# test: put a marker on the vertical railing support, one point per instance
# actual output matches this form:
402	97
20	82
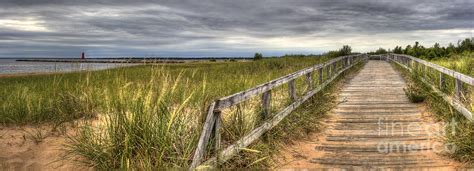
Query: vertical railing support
416	66
205	136
266	101
266	108
292	90
217	134
320	75
344	64
328	72
309	80
442	81
425	71
458	89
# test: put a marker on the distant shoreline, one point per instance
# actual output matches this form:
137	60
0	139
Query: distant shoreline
37	73
130	60
28	74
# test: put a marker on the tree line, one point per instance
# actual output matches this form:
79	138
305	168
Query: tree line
345	50
435	51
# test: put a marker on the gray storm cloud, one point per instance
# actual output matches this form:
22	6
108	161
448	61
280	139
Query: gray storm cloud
223	28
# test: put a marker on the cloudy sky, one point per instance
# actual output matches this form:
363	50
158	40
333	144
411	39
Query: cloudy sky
64	28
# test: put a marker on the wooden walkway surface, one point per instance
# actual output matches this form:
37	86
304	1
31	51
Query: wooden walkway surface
376	126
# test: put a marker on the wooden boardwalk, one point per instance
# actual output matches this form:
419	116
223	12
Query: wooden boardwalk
376	126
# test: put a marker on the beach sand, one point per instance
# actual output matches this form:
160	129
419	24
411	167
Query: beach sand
33	148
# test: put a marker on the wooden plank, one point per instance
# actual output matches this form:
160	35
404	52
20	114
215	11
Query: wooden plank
292	90
363	128
258	132
204	138
244	95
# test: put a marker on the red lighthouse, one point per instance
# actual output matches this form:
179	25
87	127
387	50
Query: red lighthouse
83	55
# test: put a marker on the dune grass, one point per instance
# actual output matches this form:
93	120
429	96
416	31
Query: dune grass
463	63
459	131
68	96
143	116
463	135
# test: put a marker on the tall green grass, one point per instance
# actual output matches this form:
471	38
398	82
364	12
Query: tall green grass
64	97
143	116
142	125
463	63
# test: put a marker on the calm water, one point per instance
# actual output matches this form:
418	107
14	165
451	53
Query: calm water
10	66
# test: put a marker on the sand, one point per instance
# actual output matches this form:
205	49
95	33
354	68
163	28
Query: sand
33	148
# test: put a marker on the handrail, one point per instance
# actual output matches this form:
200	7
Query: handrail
411	63
236	98
213	119
464	78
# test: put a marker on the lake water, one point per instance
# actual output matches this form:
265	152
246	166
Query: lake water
11	66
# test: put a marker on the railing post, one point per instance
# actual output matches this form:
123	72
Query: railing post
458	89
334	68
292	90
442	81
346	62
328	72
266	101
425	71
217	134
416	66
320	75
266	106
309	80
205	135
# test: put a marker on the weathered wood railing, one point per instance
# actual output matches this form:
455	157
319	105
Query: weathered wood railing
212	125
427	68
